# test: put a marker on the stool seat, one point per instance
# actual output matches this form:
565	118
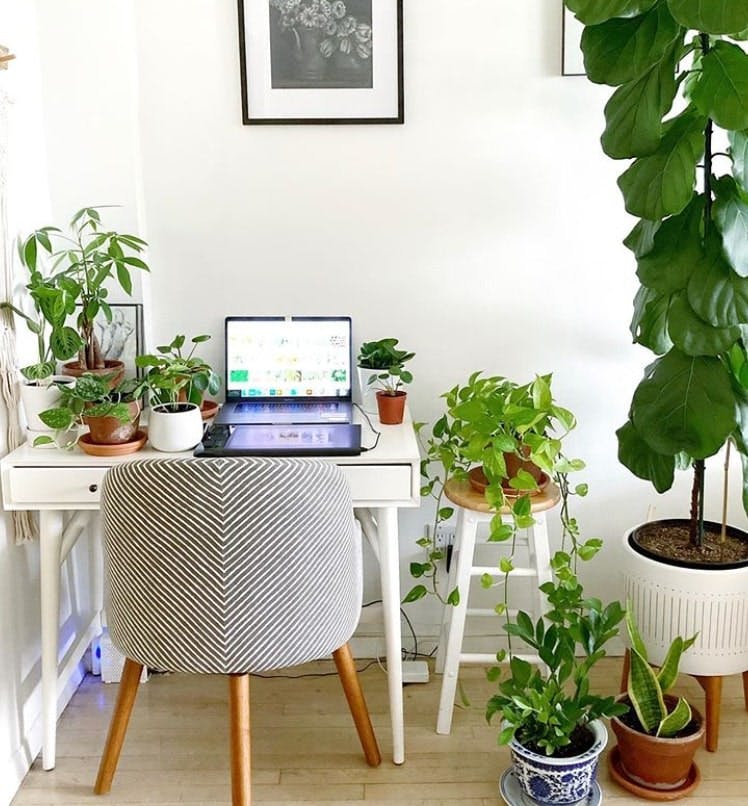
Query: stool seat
472	509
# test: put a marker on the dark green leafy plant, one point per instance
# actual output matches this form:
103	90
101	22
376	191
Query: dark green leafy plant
83	261
172	376
384	355
681	79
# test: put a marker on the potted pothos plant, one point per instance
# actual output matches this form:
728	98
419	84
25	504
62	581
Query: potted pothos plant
659	735
177	382
383	363
84	259
678	116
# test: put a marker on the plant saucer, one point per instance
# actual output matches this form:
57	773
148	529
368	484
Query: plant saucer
121	449
513	794
618	774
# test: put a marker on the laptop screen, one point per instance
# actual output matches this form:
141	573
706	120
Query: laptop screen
294	357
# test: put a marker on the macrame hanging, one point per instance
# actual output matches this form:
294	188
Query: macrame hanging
24	525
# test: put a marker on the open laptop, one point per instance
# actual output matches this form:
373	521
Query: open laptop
287	370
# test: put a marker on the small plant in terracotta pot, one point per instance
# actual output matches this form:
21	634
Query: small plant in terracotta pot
658	737
389	377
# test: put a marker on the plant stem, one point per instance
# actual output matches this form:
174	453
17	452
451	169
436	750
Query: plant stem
723	530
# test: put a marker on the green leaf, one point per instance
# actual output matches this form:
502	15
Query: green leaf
739	154
676	720
622	49
715	291
711	16
641	238
684	404
633	115
692	335
591	12
59	419
64	342
645	463
649	322
662	184
721	91
668	673
43	440
644	693
731	217
454	597
416	593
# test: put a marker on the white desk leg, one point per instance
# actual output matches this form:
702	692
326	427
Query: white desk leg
389	569
50	542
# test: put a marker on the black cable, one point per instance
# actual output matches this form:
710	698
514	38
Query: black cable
371	427
310	674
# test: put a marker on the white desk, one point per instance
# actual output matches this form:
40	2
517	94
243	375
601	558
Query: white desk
64	487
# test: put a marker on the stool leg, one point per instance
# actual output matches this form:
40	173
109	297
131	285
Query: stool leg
447	612
540	558
625	671
712	686
745	689
239	739
465	547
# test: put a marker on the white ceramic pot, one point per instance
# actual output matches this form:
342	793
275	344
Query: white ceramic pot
36	399
668	601
556	781
174	431
367	392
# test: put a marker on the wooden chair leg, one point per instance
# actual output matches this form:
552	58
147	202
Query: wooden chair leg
625	671
712	686
239	738
128	690
356	702
745	689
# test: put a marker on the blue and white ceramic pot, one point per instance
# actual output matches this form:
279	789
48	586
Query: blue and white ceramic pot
551	781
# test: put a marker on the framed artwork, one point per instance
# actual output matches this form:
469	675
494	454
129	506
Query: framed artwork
321	61
572	63
122	338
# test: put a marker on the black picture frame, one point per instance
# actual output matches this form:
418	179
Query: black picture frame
122	338
572	63
295	71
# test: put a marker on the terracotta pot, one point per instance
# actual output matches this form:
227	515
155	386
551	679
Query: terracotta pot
656	763
391	407
75	370
514	464
479	482
110	431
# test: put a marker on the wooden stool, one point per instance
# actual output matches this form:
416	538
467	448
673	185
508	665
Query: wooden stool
712	685
473	509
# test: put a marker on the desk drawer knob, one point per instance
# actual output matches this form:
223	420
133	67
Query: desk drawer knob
92	488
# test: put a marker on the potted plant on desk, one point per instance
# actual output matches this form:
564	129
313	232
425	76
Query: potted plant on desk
383	365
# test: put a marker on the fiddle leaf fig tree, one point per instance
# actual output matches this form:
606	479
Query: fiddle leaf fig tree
679	116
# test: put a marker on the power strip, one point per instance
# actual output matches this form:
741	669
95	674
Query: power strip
415	671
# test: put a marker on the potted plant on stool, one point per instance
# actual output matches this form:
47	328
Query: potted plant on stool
388	375
659	736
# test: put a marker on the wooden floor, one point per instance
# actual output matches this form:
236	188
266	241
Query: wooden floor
305	750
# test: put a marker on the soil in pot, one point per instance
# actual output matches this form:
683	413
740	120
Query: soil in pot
669	541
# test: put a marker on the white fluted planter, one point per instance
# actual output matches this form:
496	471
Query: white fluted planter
668	601
36	399
175	431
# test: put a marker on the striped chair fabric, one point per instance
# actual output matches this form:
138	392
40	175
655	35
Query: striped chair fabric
231	566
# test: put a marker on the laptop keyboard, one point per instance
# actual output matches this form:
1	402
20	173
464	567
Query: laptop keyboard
302	405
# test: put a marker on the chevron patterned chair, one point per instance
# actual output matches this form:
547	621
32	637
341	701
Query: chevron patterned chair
230	566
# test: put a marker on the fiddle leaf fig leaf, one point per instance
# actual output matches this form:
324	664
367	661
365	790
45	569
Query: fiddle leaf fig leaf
649	322
642	461
739	154
711	16
662	183
717	294
684	403
721	91
676	250
731	216
641	238
623	48
591	12
692	335
633	115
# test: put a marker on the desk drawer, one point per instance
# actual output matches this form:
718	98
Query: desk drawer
378	482
80	485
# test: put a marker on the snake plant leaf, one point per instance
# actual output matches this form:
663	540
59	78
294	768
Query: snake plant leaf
649	324
662	183
739	154
622	49
685	403
721	91
692	335
641	238
635	638
731	216
633	115
642	461
717	294
676	250
711	16
645	694
668	673
675	721
592	12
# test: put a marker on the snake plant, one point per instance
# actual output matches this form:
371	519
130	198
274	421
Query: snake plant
647	687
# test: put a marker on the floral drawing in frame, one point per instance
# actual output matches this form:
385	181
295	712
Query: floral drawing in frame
321	61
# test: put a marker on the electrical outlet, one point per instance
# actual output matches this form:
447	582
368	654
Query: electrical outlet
445	534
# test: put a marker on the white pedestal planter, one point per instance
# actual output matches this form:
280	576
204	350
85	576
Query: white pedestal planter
668	601
174	431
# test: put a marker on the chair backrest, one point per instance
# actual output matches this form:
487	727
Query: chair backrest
230	565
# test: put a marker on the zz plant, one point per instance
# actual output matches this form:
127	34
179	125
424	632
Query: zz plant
679	114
